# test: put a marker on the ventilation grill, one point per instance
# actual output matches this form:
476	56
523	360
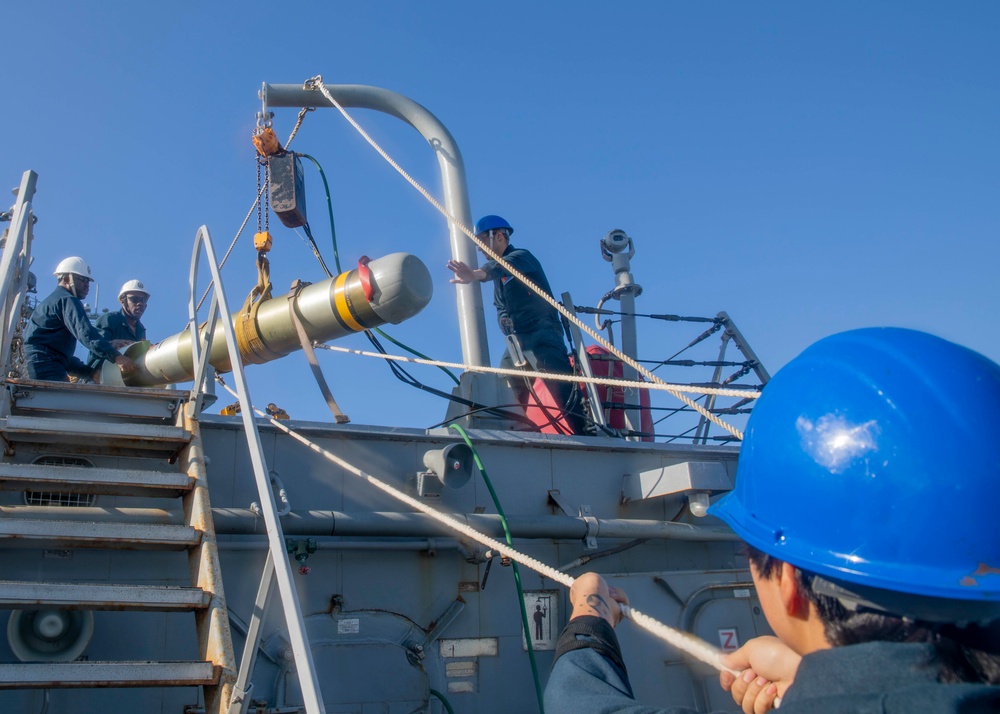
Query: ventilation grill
53	498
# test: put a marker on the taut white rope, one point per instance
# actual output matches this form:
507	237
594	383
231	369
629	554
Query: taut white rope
684	641
603	381
317	81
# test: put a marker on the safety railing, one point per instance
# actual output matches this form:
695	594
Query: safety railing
14	265
277	565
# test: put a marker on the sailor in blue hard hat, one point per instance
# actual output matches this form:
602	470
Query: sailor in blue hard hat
867	493
520	311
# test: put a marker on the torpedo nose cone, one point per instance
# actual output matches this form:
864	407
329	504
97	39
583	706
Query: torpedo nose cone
402	286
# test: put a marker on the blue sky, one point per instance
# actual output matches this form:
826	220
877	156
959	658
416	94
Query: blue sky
806	167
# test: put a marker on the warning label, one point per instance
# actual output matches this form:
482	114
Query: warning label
542	607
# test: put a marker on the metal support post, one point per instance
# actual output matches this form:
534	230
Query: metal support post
242	688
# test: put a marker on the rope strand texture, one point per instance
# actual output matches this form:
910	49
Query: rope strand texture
317	81
683	641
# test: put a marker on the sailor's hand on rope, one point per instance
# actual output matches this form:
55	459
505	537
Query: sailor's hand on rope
767	668
591	595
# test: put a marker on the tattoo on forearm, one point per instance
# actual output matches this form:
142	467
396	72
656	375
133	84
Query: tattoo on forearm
599	604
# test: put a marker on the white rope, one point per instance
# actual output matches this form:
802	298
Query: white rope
683	641
601	381
317	81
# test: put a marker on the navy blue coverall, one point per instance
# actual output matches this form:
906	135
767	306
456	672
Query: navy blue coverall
55	325
536	323
589	677
114	326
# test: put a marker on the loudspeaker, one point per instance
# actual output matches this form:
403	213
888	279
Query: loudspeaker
49	635
452	464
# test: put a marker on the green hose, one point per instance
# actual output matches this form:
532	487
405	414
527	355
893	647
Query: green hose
329	208
444	701
517	573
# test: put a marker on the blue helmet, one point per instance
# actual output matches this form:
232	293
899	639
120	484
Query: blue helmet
487	223
870	460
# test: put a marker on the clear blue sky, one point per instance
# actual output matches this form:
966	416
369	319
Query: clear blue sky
807	167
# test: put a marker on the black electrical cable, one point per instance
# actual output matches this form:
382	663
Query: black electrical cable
315	250
405	377
336	260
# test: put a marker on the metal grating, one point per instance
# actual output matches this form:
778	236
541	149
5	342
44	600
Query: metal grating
54	498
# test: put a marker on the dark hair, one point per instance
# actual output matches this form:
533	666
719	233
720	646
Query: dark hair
957	662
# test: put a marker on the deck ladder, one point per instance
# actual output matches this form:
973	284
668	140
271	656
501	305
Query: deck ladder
52	433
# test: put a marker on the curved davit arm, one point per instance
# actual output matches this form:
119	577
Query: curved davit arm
471	319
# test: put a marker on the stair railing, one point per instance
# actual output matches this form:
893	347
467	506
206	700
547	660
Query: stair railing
201	344
14	265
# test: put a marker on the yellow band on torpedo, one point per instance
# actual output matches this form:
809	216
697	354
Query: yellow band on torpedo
340	298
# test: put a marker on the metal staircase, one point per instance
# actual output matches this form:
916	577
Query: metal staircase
159	440
146	445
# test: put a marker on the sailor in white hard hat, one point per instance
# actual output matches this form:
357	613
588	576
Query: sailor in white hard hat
58	322
123	327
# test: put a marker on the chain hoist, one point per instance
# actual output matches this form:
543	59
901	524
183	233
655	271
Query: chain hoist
248	337
267	144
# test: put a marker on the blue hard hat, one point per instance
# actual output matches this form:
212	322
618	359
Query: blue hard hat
487	223
870	459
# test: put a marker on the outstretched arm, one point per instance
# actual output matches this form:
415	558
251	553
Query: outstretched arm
464	274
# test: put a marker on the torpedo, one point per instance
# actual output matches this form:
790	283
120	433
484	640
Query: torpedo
389	289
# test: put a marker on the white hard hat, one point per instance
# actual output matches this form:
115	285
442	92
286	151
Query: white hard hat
74	266
132	286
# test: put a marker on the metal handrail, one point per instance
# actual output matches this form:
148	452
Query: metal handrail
219	308
14	264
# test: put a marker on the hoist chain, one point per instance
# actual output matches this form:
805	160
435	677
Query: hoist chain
264	204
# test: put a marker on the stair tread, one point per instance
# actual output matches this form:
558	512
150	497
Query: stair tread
50	427
84	400
92	480
136	536
28	675
101	596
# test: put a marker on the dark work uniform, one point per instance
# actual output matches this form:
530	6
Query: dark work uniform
114	326
536	323
55	325
589	677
